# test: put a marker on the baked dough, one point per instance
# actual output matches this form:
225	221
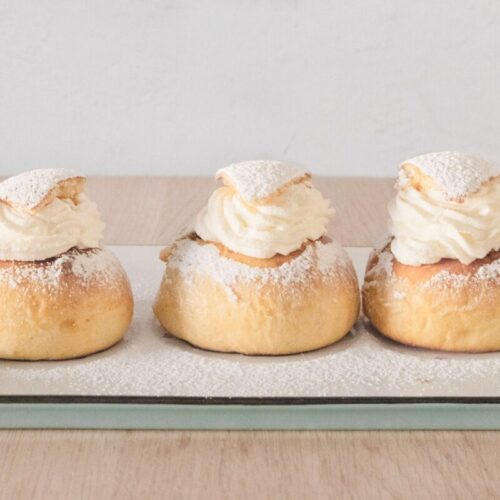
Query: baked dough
448	305
65	307
223	301
436	283
62	295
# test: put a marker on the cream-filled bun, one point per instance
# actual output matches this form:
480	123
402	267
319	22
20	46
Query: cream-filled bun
436	282
258	275
63	295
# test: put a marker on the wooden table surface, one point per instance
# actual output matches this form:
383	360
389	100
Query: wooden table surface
68	464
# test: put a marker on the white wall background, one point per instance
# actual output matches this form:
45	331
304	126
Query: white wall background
183	86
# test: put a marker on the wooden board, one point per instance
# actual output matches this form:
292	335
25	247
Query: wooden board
152	210
151	465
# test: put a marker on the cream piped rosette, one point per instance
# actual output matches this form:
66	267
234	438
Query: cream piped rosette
259	271
436	282
447	206
272	212
44	213
63	294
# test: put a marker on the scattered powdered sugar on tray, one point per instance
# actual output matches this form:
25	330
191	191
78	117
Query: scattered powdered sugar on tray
456	174
258	179
30	188
193	258
149	363
86	265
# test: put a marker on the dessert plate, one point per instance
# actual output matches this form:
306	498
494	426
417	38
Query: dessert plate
151	380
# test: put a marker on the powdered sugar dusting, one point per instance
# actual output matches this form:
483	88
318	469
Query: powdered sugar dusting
445	279
29	189
148	363
193	258
456	174
487	272
97	263
384	265
87	266
258	179
328	255
383	269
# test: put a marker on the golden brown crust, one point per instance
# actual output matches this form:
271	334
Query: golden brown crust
447	306
274	261
272	318
65	313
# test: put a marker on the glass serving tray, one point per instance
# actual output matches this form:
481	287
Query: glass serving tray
151	380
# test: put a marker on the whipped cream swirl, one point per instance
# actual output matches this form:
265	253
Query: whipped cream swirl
427	227
61	225
263	229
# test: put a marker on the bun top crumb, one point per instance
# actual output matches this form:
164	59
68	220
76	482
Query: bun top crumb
457	175
35	189
259	179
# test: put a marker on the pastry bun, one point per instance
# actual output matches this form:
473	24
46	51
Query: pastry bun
447	305
65	307
225	301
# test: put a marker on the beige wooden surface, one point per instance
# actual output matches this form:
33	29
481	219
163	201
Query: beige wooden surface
152	210
238	465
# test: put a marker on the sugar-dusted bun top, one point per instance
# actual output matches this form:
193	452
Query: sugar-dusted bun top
259	179
44	213
35	189
265	208
456	175
322	259
447	206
